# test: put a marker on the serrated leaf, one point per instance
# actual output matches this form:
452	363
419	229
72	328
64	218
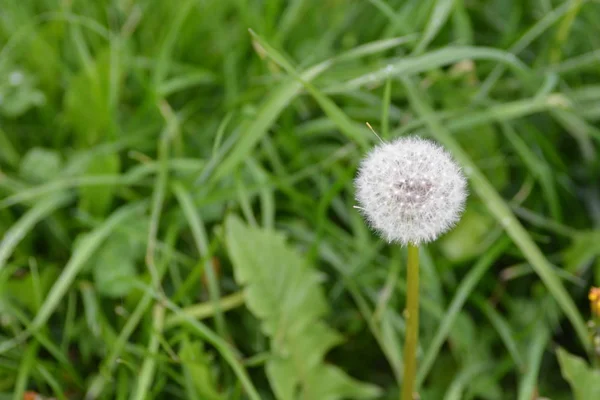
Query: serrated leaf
584	381
278	294
282	377
284	292
329	383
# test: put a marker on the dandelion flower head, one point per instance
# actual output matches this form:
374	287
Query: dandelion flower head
410	190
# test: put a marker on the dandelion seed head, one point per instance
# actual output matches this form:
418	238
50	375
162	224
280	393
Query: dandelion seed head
410	190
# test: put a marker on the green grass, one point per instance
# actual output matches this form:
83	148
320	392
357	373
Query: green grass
131	131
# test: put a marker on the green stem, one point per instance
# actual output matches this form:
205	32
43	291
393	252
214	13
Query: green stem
412	322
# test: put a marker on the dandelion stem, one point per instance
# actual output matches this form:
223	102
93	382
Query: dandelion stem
412	323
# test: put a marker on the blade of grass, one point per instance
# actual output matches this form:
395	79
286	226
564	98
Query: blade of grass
463	291
504	330
220	133
90	306
160	186
455	122
59	392
385	110
435	59
528	383
206	310
539	169
439	16
267	198
8	154
244	201
374	47
574	64
385	9
16	233
146	376
201	240
503	214
27	364
61	184
562	33
166	50
457	387
69	321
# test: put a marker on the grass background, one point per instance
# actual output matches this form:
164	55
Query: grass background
132	133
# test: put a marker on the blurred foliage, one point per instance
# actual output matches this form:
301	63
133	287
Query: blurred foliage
132	130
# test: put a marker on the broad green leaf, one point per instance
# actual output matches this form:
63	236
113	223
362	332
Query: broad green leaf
18	93
283	291
8	153
86	101
31	288
464	241
114	270
40	165
97	200
114	267
484	146
584	381
583	250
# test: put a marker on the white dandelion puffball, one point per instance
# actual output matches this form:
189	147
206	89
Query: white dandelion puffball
410	190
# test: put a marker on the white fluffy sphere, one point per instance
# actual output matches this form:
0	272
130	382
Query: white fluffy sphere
410	190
